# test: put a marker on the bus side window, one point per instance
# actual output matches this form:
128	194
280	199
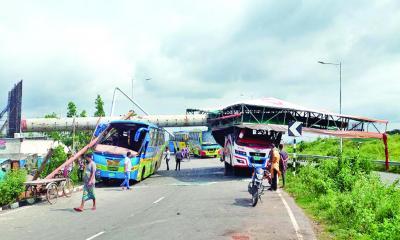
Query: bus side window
153	137
144	149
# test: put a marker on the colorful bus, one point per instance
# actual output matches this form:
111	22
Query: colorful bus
202	144
144	140
180	140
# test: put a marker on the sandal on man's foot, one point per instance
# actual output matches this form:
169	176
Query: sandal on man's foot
78	209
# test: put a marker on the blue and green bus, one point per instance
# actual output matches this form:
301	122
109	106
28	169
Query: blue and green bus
144	140
203	144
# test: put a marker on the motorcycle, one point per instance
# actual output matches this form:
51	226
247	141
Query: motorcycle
255	187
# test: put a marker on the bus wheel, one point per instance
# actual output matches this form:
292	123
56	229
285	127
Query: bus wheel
142	176
235	171
227	169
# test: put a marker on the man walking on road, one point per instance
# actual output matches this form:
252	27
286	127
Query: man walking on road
167	157
127	171
283	163
178	159
89	182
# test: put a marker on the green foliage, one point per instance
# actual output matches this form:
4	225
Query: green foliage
58	158
51	115
349	198
72	141
72	111
371	149
394	131
83	113
99	107
12	186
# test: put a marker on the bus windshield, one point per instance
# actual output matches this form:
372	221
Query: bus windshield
208	139
122	136
251	138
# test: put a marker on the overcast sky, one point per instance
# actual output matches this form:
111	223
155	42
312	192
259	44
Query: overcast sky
202	54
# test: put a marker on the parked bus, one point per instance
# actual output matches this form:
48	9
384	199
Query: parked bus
202	144
145	141
247	147
180	140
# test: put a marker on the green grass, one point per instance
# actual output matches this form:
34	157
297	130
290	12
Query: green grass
349	200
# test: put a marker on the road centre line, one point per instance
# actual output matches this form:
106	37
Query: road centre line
94	236
158	200
292	218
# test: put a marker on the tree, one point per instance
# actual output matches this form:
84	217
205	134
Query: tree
51	115
83	114
72	112
99	107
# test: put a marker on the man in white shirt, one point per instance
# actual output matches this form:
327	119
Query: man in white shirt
167	157
127	171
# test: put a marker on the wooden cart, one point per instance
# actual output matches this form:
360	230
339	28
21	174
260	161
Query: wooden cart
49	188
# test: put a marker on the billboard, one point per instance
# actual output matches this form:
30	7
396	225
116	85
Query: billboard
14	110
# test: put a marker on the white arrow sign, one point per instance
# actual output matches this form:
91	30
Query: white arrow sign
295	129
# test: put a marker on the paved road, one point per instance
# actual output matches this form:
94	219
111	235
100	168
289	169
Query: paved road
195	203
388	178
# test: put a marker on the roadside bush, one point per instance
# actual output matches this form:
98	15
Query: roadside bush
351	200
12	186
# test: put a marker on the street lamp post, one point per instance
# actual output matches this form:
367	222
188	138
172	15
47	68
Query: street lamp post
340	93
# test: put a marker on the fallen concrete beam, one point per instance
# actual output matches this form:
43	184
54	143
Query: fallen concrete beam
89	123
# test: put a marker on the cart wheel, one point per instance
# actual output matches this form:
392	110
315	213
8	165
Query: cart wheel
68	187
52	193
32	196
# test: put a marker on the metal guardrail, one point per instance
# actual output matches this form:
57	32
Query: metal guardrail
304	157
307	156
383	162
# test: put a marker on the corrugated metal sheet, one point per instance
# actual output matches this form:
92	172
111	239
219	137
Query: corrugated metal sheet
281	104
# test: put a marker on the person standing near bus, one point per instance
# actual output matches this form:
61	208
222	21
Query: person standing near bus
127	171
178	159
89	182
167	157
187	153
283	163
274	158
